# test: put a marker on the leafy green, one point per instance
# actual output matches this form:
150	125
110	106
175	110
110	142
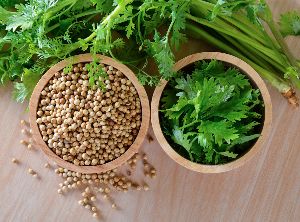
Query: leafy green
135	31
215	115
290	23
52	30
247	29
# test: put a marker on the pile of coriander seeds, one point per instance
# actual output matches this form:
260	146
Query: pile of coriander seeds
87	125
96	187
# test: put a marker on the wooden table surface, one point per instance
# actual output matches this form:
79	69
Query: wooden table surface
265	189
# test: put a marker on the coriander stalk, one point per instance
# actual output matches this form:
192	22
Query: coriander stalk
236	34
106	23
83	14
287	52
273	79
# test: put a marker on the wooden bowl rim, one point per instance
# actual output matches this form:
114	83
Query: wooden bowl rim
247	70
34	101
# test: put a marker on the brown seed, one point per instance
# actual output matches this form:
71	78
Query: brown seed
23	122
14	160
23	142
150	138
95	215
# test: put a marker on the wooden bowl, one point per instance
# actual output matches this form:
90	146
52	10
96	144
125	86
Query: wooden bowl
34	101
252	75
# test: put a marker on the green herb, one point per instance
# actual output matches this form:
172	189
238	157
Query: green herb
290	23
38	33
216	115
241	29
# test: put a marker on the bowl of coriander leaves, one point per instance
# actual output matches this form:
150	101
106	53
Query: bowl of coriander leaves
214	115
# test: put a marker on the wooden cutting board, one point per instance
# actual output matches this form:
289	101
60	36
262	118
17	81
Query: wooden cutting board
265	189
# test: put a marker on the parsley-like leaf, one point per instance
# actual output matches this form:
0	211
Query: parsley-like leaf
214	114
290	23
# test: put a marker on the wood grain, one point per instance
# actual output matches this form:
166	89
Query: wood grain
264	190
252	75
133	149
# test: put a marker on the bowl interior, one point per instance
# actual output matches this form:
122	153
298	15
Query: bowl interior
187	64
261	110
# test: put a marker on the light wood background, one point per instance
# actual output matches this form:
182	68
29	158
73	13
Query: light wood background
266	189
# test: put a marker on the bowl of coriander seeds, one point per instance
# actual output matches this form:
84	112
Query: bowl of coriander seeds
89	123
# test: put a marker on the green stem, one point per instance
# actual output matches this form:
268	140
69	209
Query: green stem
287	52
248	52
229	30
203	10
90	12
60	5
274	80
139	27
63	12
105	23
190	124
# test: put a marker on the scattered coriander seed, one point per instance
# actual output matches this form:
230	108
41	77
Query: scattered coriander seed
23	142
64	188
145	157
23	122
80	202
87	190
95	215
14	160
146	187
84	194
47	165
31	171
150	138
29	146
99	183
59	191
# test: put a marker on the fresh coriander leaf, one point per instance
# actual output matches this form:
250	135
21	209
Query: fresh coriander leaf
219	132
20	92
129	29
183	140
163	55
5	15
228	154
178	16
290	23
30	78
105	6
